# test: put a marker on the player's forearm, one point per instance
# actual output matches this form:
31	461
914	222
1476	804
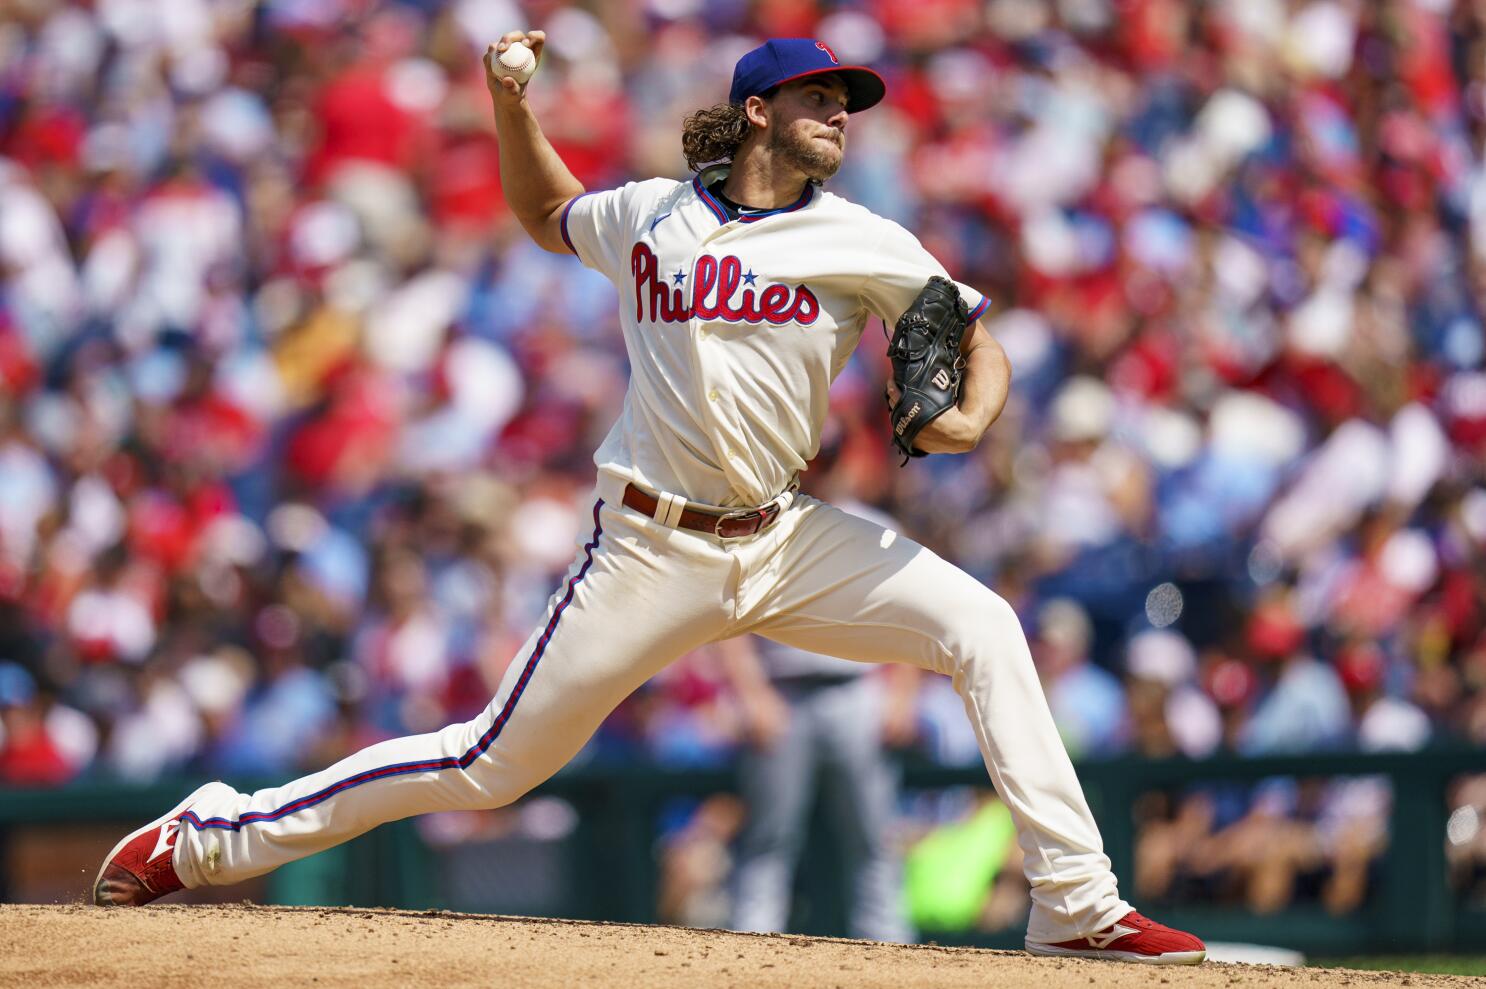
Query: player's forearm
983	392
987	382
534	179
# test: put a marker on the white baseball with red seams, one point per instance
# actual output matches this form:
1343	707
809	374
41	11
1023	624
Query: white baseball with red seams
735	329
517	61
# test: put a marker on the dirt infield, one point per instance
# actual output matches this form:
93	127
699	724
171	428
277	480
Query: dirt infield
49	946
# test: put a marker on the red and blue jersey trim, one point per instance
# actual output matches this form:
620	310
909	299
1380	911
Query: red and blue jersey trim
979	310
800	203
429	765
565	211
710	201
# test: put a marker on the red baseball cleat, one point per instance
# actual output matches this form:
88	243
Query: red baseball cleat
1131	939
139	869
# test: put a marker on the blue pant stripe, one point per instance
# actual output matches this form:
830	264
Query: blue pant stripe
427	765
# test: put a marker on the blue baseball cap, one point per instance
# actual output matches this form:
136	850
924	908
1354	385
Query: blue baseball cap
783	60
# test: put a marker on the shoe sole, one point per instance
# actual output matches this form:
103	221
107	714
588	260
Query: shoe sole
1103	954
178	810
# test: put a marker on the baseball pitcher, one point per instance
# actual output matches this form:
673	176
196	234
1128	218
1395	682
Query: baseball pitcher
742	293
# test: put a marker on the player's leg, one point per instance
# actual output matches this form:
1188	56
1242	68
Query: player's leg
623	611
855	590
776	783
859	789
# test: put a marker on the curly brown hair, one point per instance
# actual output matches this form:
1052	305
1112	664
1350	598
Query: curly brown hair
713	134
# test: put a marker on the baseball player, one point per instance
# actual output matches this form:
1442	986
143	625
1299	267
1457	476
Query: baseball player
816	723
742	293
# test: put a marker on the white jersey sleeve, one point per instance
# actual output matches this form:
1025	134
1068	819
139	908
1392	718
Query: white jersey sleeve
901	266
600	227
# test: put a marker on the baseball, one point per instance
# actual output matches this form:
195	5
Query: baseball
517	61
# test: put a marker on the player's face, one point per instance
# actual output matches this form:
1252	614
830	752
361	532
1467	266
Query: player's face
808	125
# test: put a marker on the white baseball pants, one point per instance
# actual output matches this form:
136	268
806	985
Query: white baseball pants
641	594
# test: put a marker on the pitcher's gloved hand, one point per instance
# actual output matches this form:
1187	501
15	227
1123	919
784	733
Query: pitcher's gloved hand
927	364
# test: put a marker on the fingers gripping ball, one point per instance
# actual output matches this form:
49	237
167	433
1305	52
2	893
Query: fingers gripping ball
927	364
517	61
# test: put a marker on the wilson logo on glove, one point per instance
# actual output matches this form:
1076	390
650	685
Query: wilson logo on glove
927	364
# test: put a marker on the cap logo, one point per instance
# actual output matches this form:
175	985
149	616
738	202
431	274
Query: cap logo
827	49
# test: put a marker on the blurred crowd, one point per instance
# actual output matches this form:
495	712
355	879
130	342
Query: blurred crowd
296	424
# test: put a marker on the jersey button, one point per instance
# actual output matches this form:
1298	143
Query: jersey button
712	395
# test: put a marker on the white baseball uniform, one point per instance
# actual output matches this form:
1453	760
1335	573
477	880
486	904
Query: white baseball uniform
735	329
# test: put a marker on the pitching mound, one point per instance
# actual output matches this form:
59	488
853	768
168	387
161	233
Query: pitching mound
46	946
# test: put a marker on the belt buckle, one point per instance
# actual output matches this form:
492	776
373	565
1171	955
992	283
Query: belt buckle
745	517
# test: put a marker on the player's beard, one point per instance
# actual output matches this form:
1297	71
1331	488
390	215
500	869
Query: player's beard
803	152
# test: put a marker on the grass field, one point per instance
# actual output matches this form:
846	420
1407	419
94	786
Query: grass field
1435	964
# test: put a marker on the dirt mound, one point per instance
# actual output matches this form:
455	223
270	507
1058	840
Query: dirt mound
238	945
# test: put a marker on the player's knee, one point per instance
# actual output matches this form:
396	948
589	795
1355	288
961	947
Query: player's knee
982	625
500	781
504	789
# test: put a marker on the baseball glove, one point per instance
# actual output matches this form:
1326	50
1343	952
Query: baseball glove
927	364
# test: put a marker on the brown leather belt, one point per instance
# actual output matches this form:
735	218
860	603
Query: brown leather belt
730	525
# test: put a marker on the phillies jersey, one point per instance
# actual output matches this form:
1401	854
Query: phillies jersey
735	329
